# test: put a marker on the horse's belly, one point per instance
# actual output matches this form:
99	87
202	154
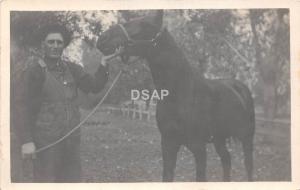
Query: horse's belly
179	122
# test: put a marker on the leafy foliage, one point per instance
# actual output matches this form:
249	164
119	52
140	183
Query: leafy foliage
250	45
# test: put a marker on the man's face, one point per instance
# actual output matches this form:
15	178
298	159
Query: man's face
53	45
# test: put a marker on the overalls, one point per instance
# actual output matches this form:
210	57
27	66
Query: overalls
59	114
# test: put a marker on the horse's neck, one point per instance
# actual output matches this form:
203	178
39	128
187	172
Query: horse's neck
169	67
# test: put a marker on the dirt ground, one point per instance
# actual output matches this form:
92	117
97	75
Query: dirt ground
118	149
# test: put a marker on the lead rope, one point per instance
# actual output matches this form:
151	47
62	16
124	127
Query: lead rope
84	120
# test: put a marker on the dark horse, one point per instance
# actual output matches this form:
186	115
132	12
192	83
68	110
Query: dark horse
196	109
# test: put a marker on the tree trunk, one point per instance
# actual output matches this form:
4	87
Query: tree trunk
266	69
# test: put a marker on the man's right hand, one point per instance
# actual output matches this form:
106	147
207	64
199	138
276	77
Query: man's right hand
28	150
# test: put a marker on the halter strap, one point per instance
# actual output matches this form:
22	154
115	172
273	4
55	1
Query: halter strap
152	41
125	31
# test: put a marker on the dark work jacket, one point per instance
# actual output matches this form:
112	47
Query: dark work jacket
34	79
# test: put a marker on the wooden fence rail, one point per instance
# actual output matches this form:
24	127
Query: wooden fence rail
137	112
276	129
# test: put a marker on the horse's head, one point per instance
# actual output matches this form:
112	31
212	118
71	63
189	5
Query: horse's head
136	36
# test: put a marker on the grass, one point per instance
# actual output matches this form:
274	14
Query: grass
117	149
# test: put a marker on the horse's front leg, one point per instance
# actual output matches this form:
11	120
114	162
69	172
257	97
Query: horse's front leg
170	147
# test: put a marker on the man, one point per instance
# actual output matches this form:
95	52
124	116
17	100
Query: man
50	108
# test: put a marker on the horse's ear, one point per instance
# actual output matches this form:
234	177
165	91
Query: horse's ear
158	18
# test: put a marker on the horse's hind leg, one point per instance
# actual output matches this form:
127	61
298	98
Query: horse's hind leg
221	149
248	156
199	151
170	148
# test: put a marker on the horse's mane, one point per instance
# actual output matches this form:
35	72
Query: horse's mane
182	62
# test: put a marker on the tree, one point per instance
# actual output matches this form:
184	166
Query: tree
271	41
229	48
249	45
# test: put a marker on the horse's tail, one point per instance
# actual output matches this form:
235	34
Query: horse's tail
248	136
246	94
